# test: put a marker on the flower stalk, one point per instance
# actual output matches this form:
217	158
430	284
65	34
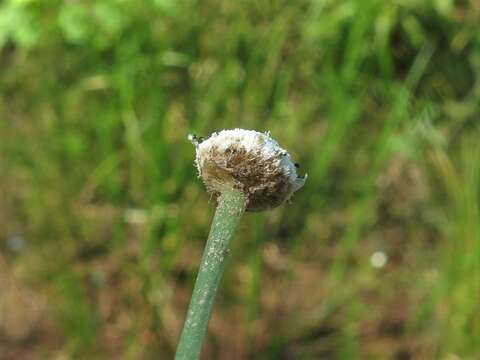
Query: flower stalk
231	206
244	170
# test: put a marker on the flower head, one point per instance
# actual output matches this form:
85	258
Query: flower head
250	161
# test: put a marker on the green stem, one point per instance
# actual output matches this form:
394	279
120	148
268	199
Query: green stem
231	206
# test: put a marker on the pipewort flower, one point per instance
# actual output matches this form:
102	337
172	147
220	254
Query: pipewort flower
251	162
244	170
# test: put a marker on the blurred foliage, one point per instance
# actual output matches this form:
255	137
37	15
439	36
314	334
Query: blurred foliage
103	219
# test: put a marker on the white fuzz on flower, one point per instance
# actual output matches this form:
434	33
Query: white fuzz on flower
250	161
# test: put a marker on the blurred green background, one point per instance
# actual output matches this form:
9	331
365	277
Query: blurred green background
103	219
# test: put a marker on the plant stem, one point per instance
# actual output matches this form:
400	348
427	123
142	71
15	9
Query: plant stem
231	206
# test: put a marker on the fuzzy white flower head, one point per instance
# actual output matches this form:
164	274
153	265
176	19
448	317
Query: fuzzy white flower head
250	161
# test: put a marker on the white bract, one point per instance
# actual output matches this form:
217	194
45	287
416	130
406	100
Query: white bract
248	160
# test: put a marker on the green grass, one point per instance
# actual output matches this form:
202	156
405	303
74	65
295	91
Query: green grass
378	101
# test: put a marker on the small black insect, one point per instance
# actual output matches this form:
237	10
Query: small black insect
195	139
